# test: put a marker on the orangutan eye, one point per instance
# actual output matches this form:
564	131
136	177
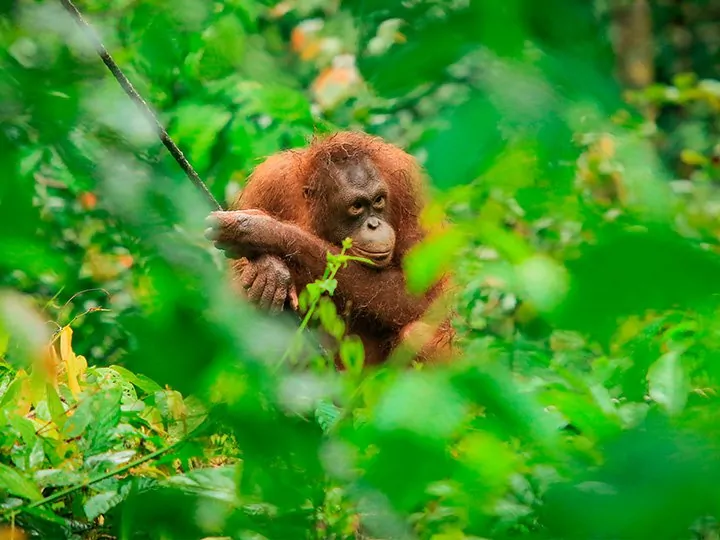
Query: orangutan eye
356	208
379	202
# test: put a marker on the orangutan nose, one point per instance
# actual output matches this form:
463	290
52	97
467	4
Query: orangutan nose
373	223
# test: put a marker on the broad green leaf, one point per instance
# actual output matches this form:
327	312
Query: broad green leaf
421	404
628	272
4	340
16	399
25	428
282	103
222	50
215	483
459	153
113	458
58	477
426	262
490	459
101	502
55	406
37	455
669	383
542	281
352	354
517	412
144	383
580	410
423	58
196	128
95	416
11	481
327	414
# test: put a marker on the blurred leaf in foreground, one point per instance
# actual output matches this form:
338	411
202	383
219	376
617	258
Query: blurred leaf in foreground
655	482
629	272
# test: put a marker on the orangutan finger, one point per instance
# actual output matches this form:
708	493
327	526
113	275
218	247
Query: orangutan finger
268	293
256	289
278	301
293	297
248	275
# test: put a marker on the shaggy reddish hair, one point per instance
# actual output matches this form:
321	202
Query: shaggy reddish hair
290	185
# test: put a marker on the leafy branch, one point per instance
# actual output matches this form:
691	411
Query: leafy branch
313	293
11	513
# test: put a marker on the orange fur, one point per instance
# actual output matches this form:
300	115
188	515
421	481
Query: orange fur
383	310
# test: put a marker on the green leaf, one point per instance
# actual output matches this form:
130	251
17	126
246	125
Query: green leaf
516	411
4	340
669	383
284	104
11	481
420	403
146	384
102	502
95	416
12	394
55	406
424	57
37	454
426	262
25	428
686	80
327	414
627	272
543	282
114	458
222	51
329	320
459	153
328	285
58	478
196	127
217	483
352	354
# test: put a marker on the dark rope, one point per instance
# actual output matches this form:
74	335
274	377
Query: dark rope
140	102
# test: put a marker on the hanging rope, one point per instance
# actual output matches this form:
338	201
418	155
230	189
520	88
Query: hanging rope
140	102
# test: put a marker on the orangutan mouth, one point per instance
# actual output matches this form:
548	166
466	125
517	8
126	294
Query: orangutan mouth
378	257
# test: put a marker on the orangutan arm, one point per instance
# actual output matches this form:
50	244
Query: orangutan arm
379	294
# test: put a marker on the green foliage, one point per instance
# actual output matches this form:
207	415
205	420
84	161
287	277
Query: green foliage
583	246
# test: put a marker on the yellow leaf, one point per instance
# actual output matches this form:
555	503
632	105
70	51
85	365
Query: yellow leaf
75	367
66	343
449	535
51	364
81	364
691	157
432	217
10	532
24	401
606	146
176	405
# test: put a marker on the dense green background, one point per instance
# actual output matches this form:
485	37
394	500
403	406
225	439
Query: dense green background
575	147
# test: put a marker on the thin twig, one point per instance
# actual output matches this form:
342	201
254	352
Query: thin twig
140	102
